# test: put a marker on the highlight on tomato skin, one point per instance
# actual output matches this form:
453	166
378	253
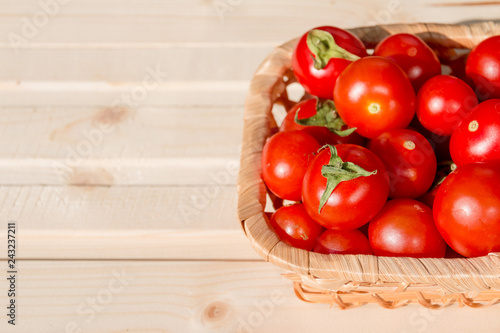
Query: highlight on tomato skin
405	228
295	227
374	95
285	158
343	242
467	209
413	55
477	138
442	103
483	68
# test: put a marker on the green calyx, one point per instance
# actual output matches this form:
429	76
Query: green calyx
322	45
337	171
326	116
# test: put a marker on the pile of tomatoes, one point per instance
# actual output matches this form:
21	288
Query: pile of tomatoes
384	155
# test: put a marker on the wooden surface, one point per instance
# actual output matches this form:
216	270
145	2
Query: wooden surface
126	207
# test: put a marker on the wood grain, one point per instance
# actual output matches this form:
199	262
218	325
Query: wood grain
134	296
120	146
100	93
156	21
79	222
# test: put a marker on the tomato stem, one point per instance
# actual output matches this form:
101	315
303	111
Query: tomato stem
322	45
337	171
326	116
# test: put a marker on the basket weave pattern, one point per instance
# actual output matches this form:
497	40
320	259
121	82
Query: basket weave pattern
352	280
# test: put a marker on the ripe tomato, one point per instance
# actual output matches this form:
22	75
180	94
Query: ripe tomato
405	228
317	69
409	159
483	68
353	201
413	55
477	138
295	227
374	95
284	162
343	242
442	102
467	209
322	134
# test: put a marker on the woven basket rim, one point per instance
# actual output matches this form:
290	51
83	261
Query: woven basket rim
449	274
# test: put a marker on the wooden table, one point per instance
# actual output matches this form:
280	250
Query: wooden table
120	129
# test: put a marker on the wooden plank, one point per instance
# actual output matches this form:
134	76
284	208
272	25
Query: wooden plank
100	93
79	222
156	21
130	296
119	146
121	65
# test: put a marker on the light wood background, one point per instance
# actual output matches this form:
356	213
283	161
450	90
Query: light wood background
134	229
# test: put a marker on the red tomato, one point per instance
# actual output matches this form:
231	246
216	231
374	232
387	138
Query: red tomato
295	227
413	55
353	202
467	209
405	228
343	242
284	162
483	68
409	159
374	95
323	135
477	138
321	81
442	102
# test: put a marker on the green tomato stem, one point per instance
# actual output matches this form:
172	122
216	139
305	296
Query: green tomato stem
322	45
337	171
326	116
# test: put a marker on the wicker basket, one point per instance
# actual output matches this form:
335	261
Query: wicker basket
352	280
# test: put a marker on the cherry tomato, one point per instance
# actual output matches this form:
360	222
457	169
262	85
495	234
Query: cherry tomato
409	159
284	162
321	81
442	102
343	242
353	202
405	228
483	68
413	55
323	135
295	227
467	209
477	138
374	95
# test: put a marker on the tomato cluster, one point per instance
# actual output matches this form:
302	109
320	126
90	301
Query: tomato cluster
389	156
